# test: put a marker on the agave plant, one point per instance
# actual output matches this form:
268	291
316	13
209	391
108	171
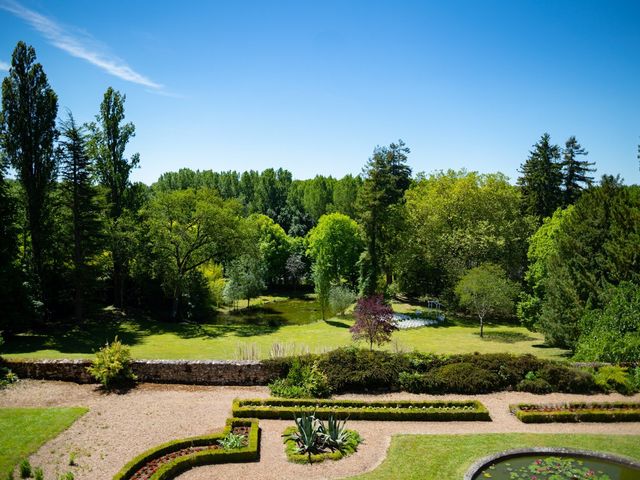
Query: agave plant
335	433
309	435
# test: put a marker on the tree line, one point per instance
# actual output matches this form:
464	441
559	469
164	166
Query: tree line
77	234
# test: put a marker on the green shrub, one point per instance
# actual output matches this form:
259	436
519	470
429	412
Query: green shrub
67	476
567	379
284	409
231	441
577	412
413	382
534	385
510	369
340	298
613	378
355	370
112	366
461	378
38	474
302	381
420	362
25	469
634	375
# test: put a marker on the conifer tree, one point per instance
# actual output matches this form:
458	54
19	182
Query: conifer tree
575	172
80	198
541	179
386	177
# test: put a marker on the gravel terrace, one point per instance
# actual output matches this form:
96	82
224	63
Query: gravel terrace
118	427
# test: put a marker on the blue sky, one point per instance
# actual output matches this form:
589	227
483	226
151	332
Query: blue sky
314	87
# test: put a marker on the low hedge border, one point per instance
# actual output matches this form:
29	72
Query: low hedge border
290	448
286	409
179	465
573	412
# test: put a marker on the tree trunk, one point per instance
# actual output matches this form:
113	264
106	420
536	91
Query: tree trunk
481	327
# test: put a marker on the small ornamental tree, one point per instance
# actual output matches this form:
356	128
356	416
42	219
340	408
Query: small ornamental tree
374	321
485	290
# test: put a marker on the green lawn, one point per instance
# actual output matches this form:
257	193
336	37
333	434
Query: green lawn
438	457
260	328
24	430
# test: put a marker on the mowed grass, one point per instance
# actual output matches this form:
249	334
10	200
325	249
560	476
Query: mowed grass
24	430
260	329
438	457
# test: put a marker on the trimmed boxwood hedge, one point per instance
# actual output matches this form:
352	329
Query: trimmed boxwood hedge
179	465
603	412
290	448
287	408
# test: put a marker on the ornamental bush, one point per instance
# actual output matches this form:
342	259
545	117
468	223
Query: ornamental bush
112	366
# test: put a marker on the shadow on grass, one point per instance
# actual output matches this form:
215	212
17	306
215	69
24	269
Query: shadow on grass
506	337
337	323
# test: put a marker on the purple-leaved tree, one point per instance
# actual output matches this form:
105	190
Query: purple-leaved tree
374	321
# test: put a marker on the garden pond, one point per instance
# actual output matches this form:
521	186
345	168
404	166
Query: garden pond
549	467
292	311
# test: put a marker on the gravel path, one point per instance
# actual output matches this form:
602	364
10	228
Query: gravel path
118	427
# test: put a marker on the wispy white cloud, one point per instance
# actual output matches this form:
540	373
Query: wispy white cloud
80	45
4	66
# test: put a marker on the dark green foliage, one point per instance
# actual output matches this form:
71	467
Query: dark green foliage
612	334
25	469
356	370
461	377
108	140
596	246
386	177
29	109
541	179
566	379
535	385
80	200
575	172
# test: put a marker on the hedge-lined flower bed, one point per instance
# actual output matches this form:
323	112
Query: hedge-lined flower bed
577	412
290	449
286	409
170	459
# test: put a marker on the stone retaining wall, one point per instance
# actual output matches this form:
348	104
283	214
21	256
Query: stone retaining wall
205	372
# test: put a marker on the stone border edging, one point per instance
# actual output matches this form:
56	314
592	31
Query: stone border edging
560	451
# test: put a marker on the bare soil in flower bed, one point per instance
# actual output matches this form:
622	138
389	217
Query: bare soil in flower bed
152	467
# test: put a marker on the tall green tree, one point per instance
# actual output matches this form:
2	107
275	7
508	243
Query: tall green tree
245	279
9	273
386	177
80	198
541	179
457	220
485	290
335	245
575	172
29	110
190	228
598	246
274	246
108	140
